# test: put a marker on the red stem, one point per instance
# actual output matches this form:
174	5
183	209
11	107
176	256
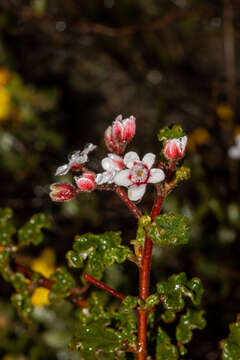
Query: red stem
103	286
144	285
123	196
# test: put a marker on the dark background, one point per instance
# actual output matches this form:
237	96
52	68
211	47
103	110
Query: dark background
72	67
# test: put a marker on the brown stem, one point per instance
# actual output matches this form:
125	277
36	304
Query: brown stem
144	285
123	196
48	284
154	25
103	286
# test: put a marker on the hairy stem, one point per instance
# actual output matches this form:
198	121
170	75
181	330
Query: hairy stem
144	285
123	196
103	286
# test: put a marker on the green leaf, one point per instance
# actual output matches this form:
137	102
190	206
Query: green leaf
98	251
165	349
104	334
193	319
4	257
23	305
130	302
6	229
176	288
96	338
231	345
31	232
168	316
143	222
174	132
63	283
170	230
183	173
152	300
22	299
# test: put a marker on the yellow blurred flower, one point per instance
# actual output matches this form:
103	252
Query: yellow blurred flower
40	297
45	264
5	76
200	136
5	103
225	112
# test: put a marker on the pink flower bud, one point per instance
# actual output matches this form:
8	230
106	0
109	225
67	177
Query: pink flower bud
62	191
175	148
86	182
120	134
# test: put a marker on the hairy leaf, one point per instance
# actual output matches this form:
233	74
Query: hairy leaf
22	299
63	283
193	319
6	228
170	230
31	232
174	132
165	349
103	334
173	291
95	339
231	345
98	251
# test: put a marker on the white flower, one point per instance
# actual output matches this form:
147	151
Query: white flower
111	164
234	151
138	174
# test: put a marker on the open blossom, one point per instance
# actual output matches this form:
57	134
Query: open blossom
234	151
62	191
120	134
76	160
86	182
175	148
138	174
112	165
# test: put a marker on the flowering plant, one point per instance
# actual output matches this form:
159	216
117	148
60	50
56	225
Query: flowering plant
137	326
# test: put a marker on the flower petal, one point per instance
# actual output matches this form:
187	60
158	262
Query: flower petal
129	128
62	170
117	161
136	192
122	178
103	178
149	159
129	158
182	144
117	130
108	164
156	176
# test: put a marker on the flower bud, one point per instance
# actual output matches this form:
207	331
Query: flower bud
120	134
175	148
62	191
86	182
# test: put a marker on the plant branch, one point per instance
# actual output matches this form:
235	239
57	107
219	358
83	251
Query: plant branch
144	284
123	196
133	29
103	286
75	292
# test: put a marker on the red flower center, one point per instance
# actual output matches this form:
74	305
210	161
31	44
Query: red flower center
139	174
